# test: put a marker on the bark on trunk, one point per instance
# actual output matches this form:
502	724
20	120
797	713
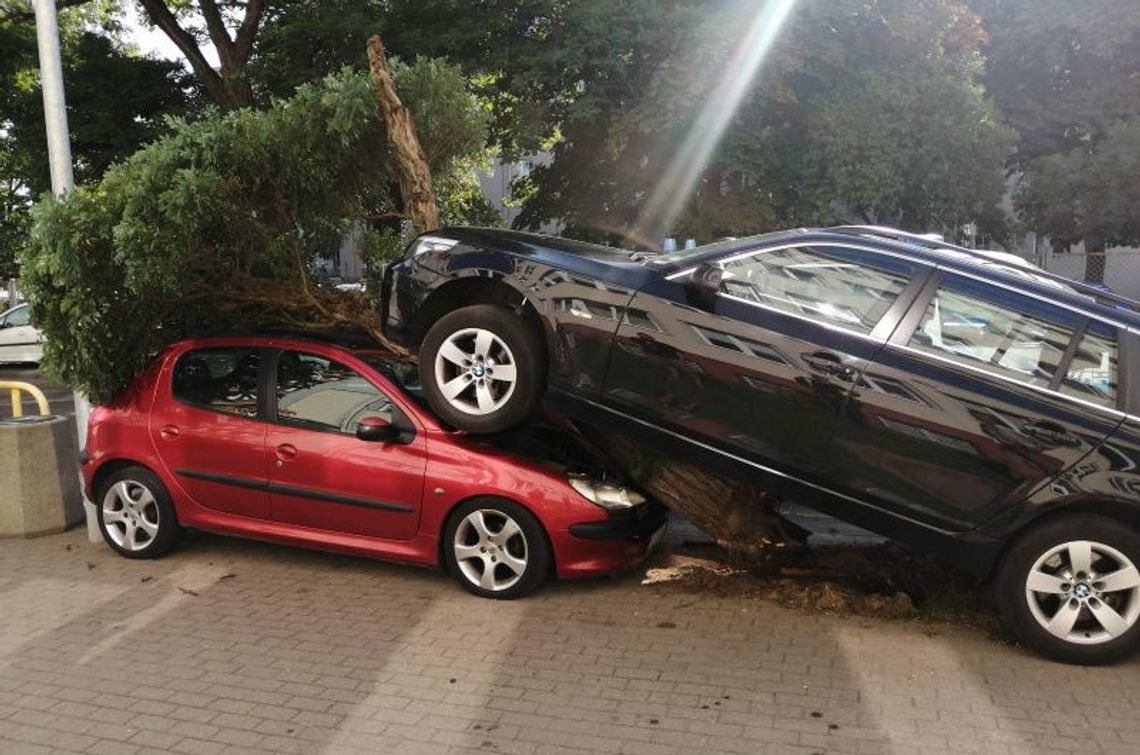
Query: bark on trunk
412	169
227	86
1094	258
741	518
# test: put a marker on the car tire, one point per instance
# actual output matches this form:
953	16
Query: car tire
136	515
483	368
1069	589
496	549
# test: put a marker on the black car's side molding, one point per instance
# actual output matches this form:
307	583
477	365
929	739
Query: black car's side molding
272	487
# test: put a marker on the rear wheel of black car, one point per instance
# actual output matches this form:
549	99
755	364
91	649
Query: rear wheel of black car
482	368
1070	589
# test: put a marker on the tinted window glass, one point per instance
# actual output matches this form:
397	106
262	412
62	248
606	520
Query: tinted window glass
815	283
224	380
321	394
1023	345
1092	373
18	317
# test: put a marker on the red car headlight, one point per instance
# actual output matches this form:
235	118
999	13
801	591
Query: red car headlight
604	494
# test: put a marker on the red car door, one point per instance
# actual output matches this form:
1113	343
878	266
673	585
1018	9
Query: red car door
208	430
323	476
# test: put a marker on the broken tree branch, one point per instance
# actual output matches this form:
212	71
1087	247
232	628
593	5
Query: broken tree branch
412	171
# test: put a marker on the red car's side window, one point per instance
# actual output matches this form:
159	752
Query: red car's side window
224	380
322	394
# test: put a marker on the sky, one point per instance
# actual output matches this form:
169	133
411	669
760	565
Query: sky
153	42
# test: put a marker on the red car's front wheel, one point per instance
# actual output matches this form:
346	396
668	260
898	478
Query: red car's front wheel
496	549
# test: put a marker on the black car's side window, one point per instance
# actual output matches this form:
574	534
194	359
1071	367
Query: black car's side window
1091	375
224	380
976	325
322	394
816	283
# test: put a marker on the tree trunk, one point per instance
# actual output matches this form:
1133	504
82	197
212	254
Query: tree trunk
411	163
228	86
741	518
1094	258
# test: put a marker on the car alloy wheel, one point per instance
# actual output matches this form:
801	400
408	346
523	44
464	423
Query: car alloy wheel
491	550
1068	587
136	514
1084	592
131	515
483	368
476	371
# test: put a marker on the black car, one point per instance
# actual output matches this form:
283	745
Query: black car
982	410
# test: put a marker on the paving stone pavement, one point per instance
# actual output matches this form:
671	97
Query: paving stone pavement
229	646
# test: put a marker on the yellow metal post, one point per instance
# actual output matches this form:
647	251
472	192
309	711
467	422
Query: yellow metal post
16	388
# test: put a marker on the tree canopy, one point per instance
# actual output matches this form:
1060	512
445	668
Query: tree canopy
1065	77
117	101
222	223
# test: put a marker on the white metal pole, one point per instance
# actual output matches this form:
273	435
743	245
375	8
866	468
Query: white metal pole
55	106
62	175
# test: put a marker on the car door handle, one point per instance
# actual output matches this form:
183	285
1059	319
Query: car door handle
829	364
286	451
1051	433
170	432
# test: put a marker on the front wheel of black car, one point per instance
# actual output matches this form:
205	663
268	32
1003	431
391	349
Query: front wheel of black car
482	368
1070	589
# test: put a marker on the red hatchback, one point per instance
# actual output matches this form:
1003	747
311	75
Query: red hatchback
329	447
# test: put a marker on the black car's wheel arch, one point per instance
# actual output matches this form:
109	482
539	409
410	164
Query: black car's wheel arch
441	545
1125	512
476	289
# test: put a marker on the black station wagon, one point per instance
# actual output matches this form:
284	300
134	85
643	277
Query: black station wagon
955	400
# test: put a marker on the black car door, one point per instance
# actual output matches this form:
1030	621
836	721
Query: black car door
761	373
983	395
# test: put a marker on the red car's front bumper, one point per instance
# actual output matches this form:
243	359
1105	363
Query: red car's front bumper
592	549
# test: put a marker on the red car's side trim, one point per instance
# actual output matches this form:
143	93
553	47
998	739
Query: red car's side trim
272	487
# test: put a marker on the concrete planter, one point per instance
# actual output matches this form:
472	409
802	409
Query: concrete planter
39	480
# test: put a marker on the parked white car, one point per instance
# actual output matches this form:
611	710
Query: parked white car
20	341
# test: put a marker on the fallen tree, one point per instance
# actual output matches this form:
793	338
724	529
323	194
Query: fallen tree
228	223
222	225
743	519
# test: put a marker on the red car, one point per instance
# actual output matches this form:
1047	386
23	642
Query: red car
330	447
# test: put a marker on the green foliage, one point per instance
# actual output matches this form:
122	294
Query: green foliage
116	103
1065	76
860	111
1062	72
221	223
1088	191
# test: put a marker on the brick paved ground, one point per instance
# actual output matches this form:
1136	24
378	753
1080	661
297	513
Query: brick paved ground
229	646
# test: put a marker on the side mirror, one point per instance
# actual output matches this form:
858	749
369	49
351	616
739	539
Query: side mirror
704	284
377	430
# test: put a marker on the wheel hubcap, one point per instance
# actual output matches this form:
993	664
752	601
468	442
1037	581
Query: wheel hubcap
130	515
490	549
1084	592
475	371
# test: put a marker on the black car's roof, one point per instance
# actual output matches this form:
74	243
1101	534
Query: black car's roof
520	241
1057	288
